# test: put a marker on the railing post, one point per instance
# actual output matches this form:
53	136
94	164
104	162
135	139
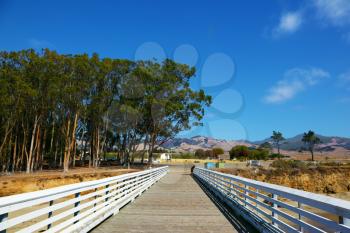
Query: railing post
230	188
50	214
345	221
300	217
256	201
106	199
3	218
95	199
245	193
76	204
275	206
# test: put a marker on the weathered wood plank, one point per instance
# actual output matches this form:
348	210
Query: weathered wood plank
175	204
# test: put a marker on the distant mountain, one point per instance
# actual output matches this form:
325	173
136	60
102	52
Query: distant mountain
290	144
329	143
202	142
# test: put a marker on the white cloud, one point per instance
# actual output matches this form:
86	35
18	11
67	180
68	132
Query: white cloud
336	12
289	23
294	81
40	44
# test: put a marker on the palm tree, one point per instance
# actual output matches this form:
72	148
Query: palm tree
310	139
277	138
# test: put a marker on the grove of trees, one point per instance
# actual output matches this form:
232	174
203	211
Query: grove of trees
57	107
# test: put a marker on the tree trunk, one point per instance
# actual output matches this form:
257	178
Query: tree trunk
14	160
144	149
42	150
70	140
66	154
30	155
7	132
36	158
150	153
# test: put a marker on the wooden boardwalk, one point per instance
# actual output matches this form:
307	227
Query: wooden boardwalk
175	204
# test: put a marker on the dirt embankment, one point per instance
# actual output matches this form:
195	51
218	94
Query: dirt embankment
21	183
328	180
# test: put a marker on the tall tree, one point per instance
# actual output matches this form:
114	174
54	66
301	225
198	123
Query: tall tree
55	108
170	105
310	139
277	138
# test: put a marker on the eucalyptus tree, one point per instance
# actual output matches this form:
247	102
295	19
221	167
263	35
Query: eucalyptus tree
170	105
54	105
311	140
106	89
277	138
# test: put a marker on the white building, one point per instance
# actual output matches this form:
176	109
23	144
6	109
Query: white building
165	156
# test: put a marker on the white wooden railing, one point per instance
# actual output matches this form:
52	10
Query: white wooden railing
274	208
76	207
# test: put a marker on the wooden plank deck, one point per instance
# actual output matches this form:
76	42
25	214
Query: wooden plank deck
175	204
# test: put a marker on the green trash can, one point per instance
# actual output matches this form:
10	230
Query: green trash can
220	165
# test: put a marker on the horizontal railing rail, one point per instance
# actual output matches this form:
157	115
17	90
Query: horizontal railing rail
276	207
76	207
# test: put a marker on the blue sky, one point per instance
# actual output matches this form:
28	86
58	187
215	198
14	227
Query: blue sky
270	65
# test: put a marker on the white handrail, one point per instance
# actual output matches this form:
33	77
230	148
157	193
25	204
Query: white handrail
276	206
75	207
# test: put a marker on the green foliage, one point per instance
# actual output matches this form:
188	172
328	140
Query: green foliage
242	152
266	146
204	154
289	164
310	139
239	152
276	156
200	153
277	138
183	156
217	151
55	106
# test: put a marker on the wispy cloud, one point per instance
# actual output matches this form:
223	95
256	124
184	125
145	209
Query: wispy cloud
40	44
335	12
293	82
289	23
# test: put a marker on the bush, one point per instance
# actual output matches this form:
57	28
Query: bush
289	164
239	152
200	153
243	153
275	156
183	156
217	151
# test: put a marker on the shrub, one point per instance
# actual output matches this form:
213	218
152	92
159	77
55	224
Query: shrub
200	153
289	164
243	153
239	152
183	156
217	151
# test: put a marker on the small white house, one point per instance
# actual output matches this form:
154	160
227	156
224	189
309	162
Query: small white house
165	156
254	163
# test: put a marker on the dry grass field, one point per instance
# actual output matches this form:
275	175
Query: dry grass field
21	182
331	178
